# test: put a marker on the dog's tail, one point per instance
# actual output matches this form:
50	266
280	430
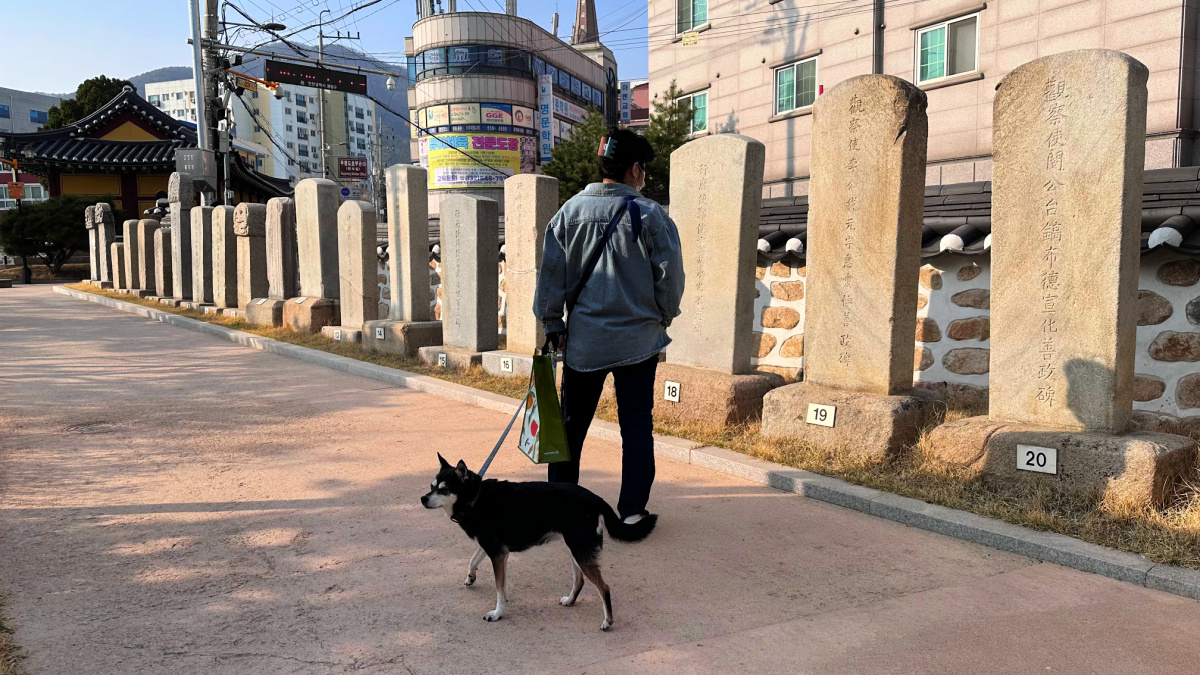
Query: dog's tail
622	531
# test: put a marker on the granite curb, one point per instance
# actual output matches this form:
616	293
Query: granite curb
1046	546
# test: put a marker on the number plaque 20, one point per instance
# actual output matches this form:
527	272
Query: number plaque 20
1037	458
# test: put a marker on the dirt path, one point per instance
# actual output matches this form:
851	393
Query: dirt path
170	502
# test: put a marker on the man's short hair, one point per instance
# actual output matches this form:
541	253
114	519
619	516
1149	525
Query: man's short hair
621	149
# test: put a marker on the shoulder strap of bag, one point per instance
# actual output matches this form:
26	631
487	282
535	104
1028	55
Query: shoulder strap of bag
627	203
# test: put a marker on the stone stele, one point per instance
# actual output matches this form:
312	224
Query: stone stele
359	264
180	196
202	270
224	257
117	255
717	183
163	270
408	326
470	246
89	221
530	202
106	233
316	237
864	238
250	228
282	277
146	228
129	238
1069	142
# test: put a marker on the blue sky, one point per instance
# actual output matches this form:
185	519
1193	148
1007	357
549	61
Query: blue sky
67	41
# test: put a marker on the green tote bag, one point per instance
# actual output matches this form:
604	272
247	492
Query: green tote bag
543	436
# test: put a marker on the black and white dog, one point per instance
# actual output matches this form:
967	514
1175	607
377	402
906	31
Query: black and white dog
504	517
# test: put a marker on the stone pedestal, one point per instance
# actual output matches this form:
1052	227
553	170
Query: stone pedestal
452	358
869	424
342	334
310	315
504	363
711	395
224	257
1136	468
250	228
202	283
868	166
470	288
401	337
265	312
164	282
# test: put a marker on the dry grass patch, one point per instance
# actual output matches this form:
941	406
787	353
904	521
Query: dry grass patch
10	656
42	273
1166	535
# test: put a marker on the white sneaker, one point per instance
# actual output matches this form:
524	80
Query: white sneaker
632	519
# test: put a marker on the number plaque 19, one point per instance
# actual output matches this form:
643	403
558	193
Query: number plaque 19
821	415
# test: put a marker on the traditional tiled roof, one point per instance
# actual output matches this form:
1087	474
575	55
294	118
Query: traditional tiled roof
958	218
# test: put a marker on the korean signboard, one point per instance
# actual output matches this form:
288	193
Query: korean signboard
498	155
496	113
569	110
624	103
352	167
464	113
545	117
437	116
523	117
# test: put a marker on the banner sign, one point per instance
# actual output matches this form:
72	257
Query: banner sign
449	168
496	113
460	56
545	116
352	167
569	110
624	103
523	117
437	116
16	190
464	113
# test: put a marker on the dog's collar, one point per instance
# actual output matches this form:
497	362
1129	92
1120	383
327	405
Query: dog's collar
470	505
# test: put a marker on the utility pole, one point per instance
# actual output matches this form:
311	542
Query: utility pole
321	93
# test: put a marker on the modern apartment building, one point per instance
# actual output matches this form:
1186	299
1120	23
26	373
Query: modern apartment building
755	67
23	112
279	136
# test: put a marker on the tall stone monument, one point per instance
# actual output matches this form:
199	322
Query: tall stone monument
129	238
145	230
358	293
106	234
470	245
164	282
180	195
250	227
530	202
224	258
89	222
716	184
317	253
408	326
1069	142
202	268
282	276
864	239
117	256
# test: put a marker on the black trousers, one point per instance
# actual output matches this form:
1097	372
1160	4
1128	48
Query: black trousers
634	385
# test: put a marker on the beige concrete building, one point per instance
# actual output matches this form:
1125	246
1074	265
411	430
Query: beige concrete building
755	67
474	85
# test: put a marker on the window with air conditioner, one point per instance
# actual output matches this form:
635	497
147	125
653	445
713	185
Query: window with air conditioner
947	49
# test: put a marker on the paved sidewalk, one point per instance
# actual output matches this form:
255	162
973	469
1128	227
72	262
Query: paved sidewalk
171	502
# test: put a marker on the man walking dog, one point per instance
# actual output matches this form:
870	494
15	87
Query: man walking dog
612	266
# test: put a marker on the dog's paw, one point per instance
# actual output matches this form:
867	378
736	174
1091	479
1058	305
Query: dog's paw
470	580
494	615
567	601
605	625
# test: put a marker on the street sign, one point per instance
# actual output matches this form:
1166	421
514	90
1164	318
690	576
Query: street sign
201	165
352	167
16	190
314	76
345	192
625	102
245	83
690	39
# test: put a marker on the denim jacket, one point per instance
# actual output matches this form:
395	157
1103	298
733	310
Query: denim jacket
623	312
